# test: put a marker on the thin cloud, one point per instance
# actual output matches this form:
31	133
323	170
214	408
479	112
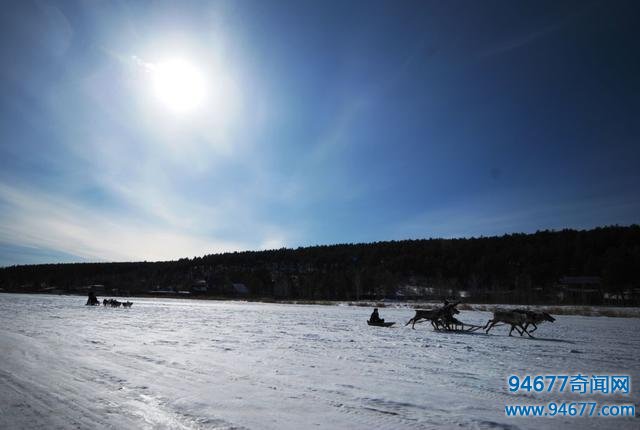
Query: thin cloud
143	64
34	219
523	40
519	42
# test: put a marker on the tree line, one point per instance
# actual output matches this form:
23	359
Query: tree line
597	266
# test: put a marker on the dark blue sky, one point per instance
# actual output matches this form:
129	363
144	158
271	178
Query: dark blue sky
323	122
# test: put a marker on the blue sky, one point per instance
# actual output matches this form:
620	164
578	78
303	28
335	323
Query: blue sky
323	122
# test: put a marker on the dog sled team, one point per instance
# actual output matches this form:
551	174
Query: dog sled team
93	301
443	318
116	304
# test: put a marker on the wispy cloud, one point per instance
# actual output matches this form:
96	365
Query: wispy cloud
523	39
519	41
34	219
170	183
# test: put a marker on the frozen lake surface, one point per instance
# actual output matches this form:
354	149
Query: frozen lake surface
201	364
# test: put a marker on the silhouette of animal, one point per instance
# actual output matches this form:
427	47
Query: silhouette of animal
514	318
451	323
438	317
535	317
432	315
127	304
112	302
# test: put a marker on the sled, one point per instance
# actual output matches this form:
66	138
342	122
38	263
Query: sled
470	329
381	324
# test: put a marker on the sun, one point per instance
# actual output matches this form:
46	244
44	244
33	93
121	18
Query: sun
179	85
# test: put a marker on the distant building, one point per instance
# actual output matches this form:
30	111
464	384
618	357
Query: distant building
580	280
199	286
161	290
96	288
583	289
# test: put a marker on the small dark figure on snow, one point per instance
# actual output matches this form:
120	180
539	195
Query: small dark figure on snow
375	317
92	300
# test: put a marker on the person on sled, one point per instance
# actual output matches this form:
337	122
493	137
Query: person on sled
92	299
375	317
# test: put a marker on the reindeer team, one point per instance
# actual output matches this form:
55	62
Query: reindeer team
518	319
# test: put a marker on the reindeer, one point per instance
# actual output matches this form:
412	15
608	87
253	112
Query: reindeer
432	315
440	317
534	317
127	304
451	323
516	319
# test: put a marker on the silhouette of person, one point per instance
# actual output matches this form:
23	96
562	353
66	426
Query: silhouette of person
92	300
449	307
375	317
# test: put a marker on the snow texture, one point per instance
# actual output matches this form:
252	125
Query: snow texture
187	364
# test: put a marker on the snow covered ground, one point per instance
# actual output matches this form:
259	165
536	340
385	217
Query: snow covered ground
200	364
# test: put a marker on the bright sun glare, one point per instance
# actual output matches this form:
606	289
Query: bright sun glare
179	85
